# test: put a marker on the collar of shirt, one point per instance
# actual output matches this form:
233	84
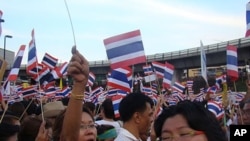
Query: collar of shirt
124	133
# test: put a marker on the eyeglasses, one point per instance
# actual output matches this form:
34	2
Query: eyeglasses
181	136
88	126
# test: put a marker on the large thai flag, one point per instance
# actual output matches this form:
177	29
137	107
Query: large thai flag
248	19
125	49
1	20
232	62
168	75
32	56
17	63
49	61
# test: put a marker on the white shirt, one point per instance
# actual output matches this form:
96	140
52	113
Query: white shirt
113	123
125	135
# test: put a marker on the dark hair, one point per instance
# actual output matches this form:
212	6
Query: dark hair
57	127
134	102
30	127
17	108
8	128
197	116
108	109
90	106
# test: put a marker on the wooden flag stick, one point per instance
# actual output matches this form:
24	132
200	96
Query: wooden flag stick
26	109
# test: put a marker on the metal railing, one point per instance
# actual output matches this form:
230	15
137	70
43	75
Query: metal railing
242	42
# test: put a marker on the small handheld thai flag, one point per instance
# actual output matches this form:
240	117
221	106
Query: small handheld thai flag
49	61
147	69
168	75
125	49
91	79
215	108
232	62
32	55
116	102
178	87
159	68
17	63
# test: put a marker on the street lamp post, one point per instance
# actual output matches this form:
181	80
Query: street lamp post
6	36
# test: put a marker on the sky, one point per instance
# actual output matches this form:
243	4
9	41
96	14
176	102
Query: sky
165	25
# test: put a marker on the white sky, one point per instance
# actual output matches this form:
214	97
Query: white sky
165	25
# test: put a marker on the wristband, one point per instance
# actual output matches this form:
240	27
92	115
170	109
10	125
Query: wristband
77	97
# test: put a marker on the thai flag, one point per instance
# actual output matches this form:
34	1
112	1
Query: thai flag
91	79
16	66
239	96
159	69
119	79
32	55
215	108
42	73
112	92
29	91
203	62
116	102
147	69
125	49
49	61
248	19
168	75
96	91
60	71
65	91
146	90
189	83
33	72
1	20
219	80
212	89
232	62
199	97
50	91
178	87
122	93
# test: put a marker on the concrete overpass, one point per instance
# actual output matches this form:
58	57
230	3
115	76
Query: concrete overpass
182	59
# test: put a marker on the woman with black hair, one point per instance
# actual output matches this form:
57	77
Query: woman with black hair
189	121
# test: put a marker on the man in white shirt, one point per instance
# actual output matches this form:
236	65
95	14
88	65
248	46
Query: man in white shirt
107	114
136	112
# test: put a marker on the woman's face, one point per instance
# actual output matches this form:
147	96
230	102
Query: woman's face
88	130
176	127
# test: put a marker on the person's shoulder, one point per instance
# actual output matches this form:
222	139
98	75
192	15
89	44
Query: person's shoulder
100	122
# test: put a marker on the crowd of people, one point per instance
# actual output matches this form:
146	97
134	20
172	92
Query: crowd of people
71	119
